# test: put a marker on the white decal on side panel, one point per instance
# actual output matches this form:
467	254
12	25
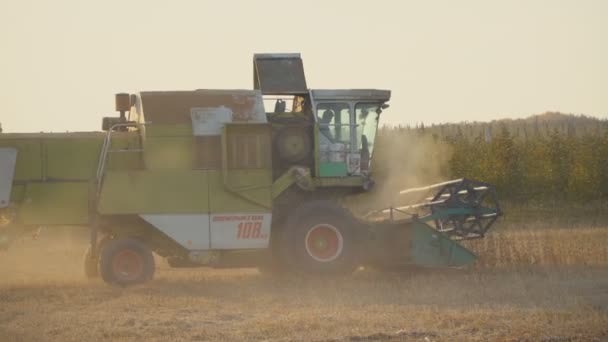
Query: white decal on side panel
240	230
209	121
8	159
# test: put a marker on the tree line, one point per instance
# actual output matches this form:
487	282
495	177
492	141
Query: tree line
546	157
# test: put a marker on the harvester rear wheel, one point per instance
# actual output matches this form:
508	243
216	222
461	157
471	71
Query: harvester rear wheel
126	262
91	265
321	238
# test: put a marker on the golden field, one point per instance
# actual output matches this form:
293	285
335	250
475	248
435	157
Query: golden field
540	284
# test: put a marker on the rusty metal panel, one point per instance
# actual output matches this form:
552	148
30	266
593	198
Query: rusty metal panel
278	74
175	107
207	153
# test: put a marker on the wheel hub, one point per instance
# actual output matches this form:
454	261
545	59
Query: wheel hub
324	243
128	265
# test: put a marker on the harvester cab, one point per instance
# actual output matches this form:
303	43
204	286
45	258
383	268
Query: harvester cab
347	121
330	131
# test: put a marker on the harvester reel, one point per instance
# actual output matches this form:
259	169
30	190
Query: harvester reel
461	209
466	194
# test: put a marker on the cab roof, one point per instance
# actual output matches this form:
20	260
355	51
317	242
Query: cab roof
351	94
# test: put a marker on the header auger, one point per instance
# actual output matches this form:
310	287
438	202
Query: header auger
233	178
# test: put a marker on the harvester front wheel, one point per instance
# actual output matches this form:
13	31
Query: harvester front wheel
321	238
126	262
91	265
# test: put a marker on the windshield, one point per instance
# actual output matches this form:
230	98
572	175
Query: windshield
367	116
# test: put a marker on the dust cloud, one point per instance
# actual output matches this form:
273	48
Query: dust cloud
402	160
54	255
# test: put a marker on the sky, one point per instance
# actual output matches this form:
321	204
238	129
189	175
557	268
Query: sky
62	61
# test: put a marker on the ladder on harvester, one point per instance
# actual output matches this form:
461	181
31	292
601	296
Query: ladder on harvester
99	176
105	151
461	209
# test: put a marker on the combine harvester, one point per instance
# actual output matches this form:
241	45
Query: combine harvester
211	178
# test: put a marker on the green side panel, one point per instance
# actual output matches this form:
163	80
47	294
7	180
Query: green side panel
176	130
430	248
29	158
168	152
55	203
353	181
168	146
333	170
124	160
154	192
74	159
283	183
17	193
69	156
249	184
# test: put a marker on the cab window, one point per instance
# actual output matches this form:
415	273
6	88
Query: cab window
367	115
334	121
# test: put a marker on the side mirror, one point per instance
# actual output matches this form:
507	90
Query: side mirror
382	107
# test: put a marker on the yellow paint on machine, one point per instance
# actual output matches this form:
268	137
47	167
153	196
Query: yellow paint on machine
170	191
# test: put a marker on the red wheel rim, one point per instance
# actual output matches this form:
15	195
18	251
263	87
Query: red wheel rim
128	265
324	242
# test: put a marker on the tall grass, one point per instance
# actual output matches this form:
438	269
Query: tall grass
520	248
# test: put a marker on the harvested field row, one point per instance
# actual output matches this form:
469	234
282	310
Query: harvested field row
536	285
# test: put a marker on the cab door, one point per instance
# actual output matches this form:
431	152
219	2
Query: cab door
335	138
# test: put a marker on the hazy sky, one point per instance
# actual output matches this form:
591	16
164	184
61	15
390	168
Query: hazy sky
62	61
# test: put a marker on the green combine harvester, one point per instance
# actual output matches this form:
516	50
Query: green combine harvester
213	178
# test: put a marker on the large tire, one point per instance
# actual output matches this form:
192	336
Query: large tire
321	238
126	262
91	265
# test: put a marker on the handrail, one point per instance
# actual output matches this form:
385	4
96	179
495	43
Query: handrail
105	149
